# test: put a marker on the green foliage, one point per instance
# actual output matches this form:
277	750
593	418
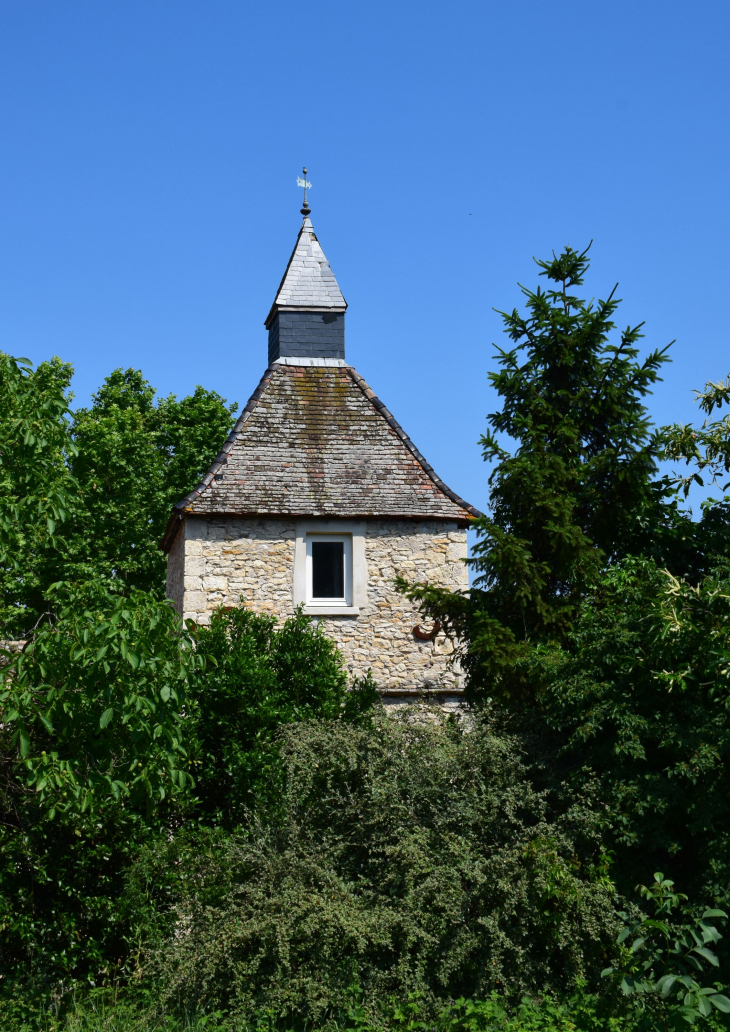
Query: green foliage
638	699
91	731
707	447
256	678
94	702
61	920
36	489
85	496
579	1010
103	716
577	491
105	1012
567	499
92	743
599	617
668	952
135	460
408	854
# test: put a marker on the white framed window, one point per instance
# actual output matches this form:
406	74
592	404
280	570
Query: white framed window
330	574
329	569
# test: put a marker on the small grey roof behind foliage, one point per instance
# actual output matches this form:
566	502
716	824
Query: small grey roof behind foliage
316	441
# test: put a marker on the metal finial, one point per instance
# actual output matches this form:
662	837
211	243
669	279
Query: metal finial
307	186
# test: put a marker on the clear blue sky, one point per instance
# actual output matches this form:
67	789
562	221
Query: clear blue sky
148	202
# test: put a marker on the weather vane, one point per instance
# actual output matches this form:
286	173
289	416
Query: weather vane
307	186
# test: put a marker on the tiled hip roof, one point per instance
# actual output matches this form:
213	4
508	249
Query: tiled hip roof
316	441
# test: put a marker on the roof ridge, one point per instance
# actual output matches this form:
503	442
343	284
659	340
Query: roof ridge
420	459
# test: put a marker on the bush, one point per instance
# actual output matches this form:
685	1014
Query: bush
97	741
579	1012
92	753
411	856
256	677
640	697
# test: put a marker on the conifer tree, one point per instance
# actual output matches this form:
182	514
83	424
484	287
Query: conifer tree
569	496
580	488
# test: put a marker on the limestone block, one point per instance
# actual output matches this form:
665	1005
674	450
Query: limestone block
215	583
194	566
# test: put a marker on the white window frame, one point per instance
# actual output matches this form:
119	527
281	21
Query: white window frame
352	533
346	600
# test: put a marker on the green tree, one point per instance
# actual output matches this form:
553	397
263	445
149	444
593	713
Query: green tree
637	701
118	726
94	701
579	490
664	953
567	500
136	458
37	491
93	757
706	447
86	495
256	678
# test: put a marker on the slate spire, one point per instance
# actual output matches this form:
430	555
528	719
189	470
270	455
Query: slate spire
307	318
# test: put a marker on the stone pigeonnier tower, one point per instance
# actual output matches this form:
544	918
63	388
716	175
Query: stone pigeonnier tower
319	498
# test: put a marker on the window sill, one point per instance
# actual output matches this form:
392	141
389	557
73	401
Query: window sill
316	610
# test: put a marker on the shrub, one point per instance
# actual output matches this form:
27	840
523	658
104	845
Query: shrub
92	754
111	1012
256	677
411	856
640	697
97	740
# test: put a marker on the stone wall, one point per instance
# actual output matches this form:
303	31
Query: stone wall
226	560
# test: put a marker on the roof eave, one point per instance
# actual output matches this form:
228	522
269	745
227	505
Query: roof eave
276	308
179	515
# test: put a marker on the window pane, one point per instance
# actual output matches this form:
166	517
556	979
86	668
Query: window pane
328	569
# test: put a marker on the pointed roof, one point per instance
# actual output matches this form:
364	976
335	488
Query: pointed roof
316	441
308	281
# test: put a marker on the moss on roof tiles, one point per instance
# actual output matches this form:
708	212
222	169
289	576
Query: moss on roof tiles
316	441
